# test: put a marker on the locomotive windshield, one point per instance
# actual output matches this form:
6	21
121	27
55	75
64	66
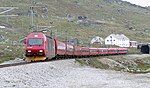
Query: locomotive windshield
35	41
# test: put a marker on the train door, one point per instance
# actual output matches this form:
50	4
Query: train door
51	47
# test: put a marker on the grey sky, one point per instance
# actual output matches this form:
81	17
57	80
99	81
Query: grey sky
140	2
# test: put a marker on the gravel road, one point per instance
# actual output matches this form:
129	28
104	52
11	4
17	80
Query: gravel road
68	74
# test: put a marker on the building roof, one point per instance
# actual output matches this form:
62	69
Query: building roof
97	39
119	36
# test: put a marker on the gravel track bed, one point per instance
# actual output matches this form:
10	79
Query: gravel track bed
68	74
17	60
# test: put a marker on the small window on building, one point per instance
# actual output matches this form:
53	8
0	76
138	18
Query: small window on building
114	40
107	40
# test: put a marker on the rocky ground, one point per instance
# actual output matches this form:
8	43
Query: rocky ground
68	74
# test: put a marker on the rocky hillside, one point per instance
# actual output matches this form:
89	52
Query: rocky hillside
99	17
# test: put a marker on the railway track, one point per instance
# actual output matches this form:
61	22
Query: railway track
21	63
25	63
13	64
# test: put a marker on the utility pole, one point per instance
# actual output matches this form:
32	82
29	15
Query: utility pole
32	18
31	9
39	9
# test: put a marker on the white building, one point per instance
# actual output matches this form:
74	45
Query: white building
133	43
117	39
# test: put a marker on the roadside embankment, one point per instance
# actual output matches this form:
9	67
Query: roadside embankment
134	63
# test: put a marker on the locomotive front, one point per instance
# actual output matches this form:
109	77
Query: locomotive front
35	47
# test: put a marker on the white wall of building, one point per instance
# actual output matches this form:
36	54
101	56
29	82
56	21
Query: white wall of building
116	39
110	40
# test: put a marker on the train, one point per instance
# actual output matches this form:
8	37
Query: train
40	47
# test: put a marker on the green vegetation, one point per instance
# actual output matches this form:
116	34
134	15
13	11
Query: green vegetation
133	51
119	63
10	52
144	64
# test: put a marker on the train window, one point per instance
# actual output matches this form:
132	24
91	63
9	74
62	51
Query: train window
93	50
84	50
104	50
35	41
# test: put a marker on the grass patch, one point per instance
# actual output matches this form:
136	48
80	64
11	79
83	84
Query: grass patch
9	52
133	51
97	64
119	63
93	63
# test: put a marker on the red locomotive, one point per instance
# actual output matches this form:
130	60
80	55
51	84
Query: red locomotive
39	47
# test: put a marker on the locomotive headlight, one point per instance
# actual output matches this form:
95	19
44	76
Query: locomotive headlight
29	51
40	51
